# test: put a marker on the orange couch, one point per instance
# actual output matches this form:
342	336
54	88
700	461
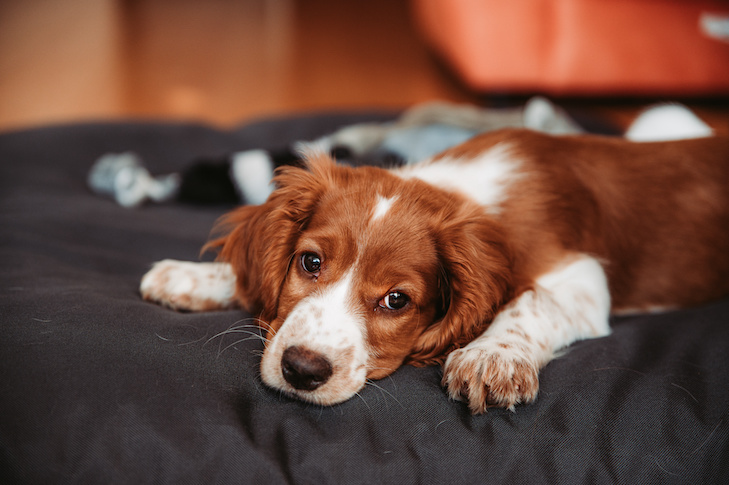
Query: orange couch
583	47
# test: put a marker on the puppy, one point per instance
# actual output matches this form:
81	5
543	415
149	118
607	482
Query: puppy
488	259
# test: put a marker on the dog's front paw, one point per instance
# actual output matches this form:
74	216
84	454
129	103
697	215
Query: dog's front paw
491	374
188	286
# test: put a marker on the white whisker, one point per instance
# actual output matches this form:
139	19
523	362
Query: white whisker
384	391
363	399
191	342
221	351
238	329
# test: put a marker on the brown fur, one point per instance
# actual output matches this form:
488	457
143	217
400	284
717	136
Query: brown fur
656	215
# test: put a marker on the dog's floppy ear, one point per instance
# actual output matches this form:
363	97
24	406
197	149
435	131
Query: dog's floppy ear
259	241
476	281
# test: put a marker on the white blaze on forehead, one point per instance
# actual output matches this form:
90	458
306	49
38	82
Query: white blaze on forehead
484	178
383	206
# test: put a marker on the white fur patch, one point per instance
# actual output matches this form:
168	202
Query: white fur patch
383	206
327	323
484	179
501	367
190	286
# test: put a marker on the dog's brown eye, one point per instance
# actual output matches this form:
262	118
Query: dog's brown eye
311	263
395	301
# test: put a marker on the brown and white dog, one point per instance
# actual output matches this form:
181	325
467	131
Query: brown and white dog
489	259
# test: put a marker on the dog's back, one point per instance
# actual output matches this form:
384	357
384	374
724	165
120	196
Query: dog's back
657	214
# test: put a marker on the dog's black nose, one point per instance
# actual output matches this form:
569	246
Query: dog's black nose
305	369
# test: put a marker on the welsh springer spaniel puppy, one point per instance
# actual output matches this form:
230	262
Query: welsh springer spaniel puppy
488	259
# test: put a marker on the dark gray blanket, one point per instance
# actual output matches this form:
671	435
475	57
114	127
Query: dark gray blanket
98	386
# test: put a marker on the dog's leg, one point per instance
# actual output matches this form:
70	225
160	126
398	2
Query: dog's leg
189	286
501	367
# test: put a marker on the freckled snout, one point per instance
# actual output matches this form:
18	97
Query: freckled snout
305	369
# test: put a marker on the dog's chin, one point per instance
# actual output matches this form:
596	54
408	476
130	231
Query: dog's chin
320	396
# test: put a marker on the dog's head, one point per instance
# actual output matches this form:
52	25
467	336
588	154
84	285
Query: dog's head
355	271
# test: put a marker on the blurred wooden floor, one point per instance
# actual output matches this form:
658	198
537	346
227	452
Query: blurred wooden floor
222	61
219	61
